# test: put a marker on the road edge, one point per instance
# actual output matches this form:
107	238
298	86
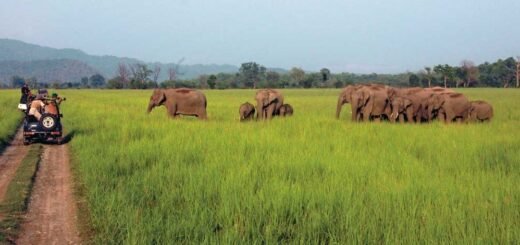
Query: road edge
16	200
79	189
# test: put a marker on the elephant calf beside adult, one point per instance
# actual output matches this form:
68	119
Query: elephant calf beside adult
246	111
181	101
268	103
480	111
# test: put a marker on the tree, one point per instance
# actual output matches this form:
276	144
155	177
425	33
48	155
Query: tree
251	73
446	71
174	71
413	80
469	72
428	76
84	82
140	76
56	84
212	81
17	82
124	74
325	74
297	75
203	81
518	71
273	79
97	81
156	73
115	83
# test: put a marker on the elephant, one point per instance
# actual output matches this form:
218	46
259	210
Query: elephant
246	111
480	111
357	100
268	103
400	107
438	89
181	101
449	106
367	101
286	110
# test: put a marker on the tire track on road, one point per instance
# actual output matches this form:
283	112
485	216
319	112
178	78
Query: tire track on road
52	213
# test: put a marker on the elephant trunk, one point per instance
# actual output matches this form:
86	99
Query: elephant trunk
150	107
338	108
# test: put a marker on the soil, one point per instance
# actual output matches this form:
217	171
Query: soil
52	212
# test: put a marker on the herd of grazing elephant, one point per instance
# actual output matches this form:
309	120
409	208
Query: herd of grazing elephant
377	102
369	102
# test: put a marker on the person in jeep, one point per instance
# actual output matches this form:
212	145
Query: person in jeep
37	106
25	94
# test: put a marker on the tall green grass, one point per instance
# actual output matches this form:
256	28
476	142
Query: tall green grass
10	116
305	179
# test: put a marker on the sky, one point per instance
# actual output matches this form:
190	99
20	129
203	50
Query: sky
360	36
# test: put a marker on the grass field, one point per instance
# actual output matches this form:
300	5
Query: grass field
305	179
10	116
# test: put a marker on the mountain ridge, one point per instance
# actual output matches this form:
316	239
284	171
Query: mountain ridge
12	52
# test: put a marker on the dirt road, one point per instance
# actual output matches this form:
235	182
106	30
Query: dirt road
52	214
10	161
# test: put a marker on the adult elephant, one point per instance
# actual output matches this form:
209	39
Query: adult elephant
268	103
449	106
367	101
181	101
357	100
400	107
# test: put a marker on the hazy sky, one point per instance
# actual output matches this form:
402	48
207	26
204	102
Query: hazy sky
350	35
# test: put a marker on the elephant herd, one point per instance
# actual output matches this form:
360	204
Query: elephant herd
369	102
190	102
269	103
374	102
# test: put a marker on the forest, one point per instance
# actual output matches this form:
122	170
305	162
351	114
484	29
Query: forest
501	73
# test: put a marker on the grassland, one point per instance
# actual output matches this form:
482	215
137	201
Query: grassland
305	179
10	116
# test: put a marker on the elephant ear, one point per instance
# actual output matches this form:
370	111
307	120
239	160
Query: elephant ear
159	97
272	97
365	96
407	103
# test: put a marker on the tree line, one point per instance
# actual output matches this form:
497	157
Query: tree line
501	73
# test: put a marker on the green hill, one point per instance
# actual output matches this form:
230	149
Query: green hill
25	54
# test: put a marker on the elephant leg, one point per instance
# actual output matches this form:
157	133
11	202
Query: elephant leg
270	111
354	112
401	118
172	111
449	117
202	115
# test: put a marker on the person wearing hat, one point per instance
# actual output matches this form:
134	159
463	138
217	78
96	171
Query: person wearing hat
56	98
36	106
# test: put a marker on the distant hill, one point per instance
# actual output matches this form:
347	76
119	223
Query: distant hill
46	71
25	55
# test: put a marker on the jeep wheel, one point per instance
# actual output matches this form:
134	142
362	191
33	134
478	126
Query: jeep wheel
48	122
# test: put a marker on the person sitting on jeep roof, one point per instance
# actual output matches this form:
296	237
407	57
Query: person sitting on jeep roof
36	106
56	98
25	94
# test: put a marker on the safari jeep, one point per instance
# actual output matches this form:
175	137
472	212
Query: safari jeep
47	129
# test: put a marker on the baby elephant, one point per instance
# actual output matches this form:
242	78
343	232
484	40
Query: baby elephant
246	111
286	110
480	111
